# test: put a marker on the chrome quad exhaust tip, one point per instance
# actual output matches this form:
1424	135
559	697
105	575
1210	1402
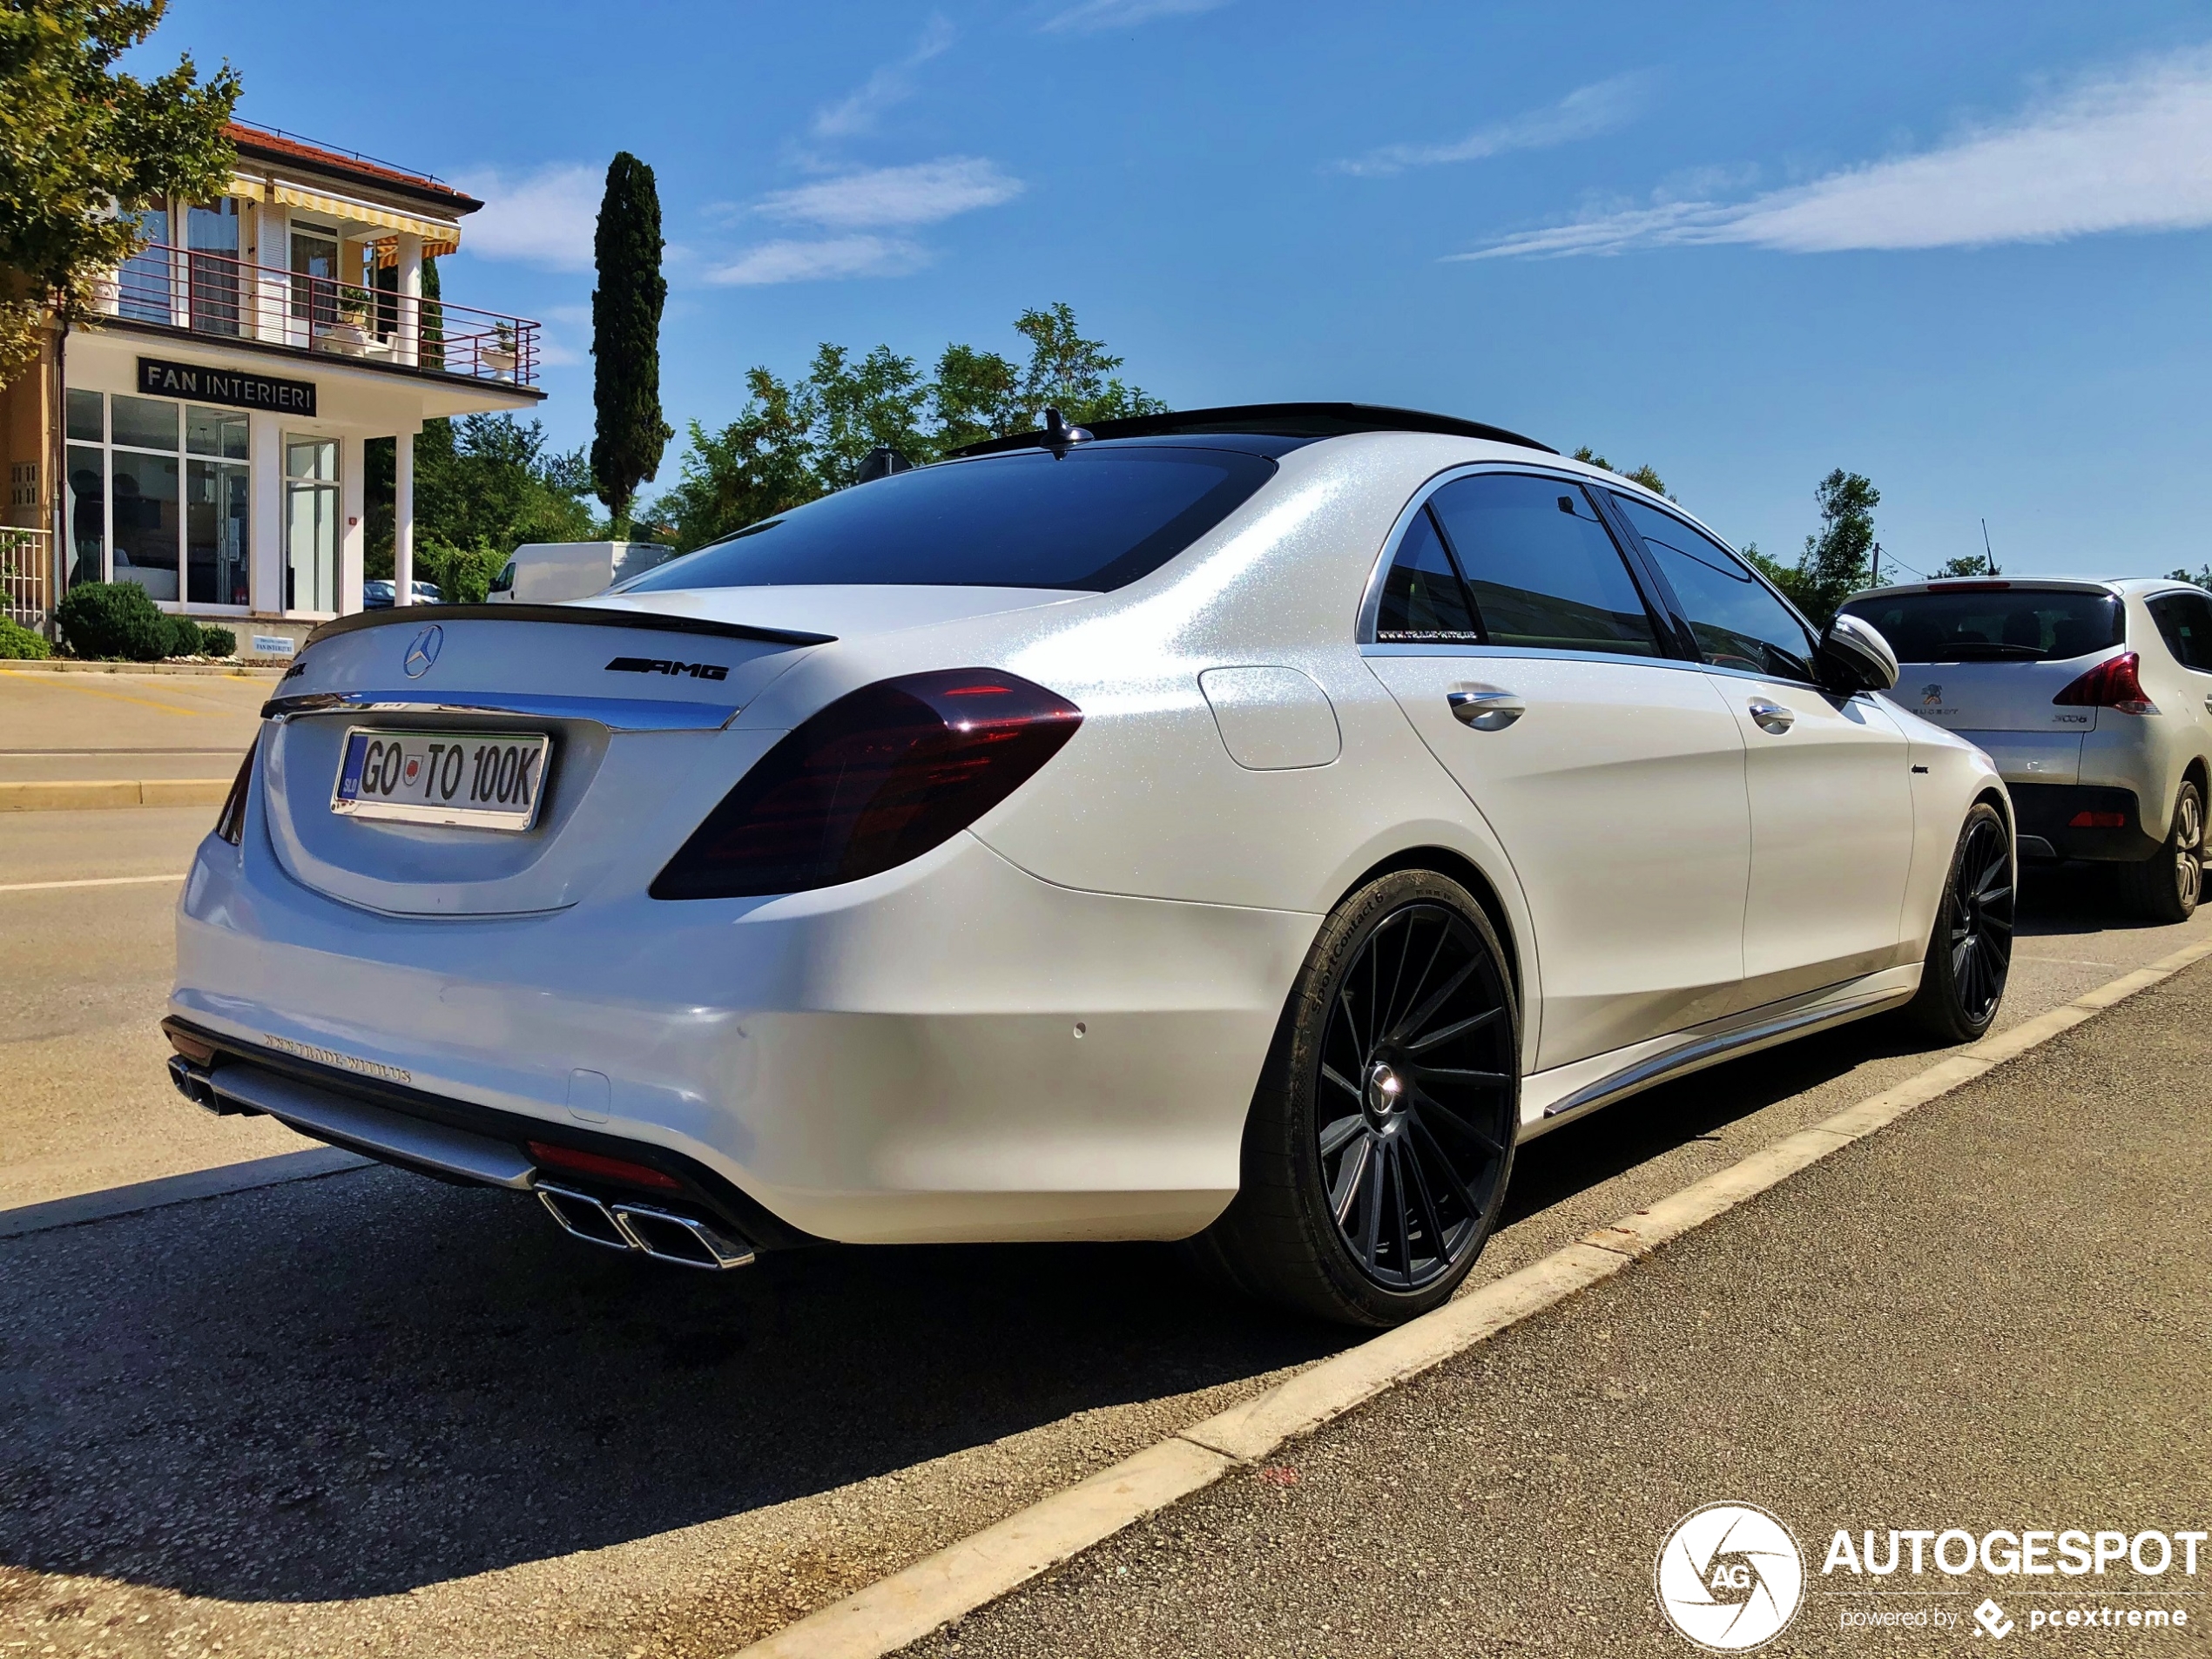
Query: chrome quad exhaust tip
662	1234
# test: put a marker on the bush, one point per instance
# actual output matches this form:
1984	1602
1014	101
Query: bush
18	643
112	619
463	574
217	642
184	637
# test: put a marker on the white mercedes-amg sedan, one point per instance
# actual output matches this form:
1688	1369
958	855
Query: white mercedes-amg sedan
1243	826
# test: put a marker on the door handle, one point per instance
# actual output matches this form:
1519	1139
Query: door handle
1486	710
1772	717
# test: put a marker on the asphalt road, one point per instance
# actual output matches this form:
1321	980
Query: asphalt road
376	1414
1990	1316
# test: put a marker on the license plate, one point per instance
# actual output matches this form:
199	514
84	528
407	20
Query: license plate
473	780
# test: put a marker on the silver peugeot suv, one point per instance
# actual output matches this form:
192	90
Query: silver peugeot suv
2094	699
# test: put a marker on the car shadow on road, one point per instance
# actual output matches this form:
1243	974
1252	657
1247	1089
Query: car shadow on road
363	1384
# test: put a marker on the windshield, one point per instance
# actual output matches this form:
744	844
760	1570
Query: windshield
2011	625
1087	518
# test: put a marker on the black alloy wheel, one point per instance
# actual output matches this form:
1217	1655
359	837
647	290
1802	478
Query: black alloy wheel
1415	1088
1970	956
1381	1136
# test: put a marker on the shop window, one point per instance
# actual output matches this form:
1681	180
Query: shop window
87	513
311	523
143	493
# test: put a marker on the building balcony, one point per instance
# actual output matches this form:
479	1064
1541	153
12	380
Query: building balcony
220	296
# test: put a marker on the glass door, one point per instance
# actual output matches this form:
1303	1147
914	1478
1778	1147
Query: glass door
310	523
210	234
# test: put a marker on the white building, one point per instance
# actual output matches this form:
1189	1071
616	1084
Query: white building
210	429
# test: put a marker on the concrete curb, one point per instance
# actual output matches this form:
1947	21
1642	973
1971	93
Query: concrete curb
104	1205
964	1576
77	794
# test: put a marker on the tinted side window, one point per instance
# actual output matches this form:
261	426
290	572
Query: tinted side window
1423	597
2185	620
1542	566
1738	622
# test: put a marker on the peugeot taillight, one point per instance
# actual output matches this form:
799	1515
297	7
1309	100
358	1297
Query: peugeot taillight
2115	682
878	777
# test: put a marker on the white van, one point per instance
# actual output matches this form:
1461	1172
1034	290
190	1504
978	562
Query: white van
544	572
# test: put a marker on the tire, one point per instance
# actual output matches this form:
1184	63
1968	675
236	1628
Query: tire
1367	1193
1970	952
2165	886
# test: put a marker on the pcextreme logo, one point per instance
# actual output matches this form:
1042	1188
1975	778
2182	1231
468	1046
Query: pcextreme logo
1729	1577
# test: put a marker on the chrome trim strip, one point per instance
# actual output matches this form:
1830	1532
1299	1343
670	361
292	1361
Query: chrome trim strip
1711	1051
616	714
373	1129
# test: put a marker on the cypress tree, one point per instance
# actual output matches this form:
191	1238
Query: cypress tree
625	338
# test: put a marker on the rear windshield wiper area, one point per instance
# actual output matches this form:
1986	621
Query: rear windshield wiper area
1985	651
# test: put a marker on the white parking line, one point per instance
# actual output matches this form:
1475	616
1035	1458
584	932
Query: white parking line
965	1575
90	881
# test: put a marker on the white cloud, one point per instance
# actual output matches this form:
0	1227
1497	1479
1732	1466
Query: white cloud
837	257
543	218
1583	113
921	194
1087	15
2131	151
892	84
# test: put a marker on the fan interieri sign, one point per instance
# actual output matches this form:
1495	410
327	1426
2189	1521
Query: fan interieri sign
225	386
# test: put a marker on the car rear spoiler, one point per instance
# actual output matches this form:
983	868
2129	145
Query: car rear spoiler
586	615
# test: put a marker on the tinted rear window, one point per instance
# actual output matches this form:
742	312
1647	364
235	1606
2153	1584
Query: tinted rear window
1095	518
2020	624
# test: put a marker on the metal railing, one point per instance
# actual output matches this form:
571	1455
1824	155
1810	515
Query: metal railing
215	295
26	575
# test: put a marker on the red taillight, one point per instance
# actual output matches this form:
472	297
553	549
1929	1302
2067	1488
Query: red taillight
2112	684
568	1157
2097	820
230	823
878	777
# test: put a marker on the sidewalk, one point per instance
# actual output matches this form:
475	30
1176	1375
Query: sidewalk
136	738
1990	1316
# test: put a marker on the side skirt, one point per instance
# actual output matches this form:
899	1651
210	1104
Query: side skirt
1550	1098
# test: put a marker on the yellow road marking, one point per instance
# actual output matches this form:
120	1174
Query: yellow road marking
63	681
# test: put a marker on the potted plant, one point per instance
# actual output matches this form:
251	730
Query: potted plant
499	356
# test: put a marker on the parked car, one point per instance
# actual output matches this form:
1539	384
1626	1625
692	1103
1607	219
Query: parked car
1242	827
2093	698
381	596
547	572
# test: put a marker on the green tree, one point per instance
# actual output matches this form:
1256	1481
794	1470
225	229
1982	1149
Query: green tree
1646	475
1837	561
83	147
797	440
625	338
2201	575
484	484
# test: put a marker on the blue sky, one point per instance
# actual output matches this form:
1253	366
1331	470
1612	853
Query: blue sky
1962	248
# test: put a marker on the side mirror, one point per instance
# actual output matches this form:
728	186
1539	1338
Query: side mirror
1853	656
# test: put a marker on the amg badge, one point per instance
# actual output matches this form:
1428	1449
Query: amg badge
659	665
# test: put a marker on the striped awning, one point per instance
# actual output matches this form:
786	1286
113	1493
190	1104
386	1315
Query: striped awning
438	237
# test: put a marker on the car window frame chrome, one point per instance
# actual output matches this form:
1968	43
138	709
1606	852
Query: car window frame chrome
1632	555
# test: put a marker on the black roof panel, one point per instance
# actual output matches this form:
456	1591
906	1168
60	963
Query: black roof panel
1304	423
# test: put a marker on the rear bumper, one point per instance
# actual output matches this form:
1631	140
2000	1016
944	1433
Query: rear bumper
449	1140
953	1051
2047	813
